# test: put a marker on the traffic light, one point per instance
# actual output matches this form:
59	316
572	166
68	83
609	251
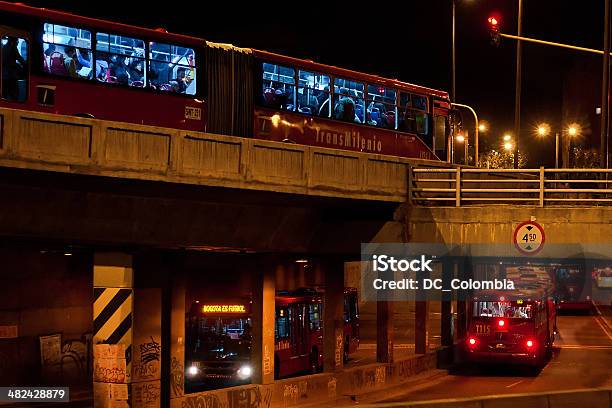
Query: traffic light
494	30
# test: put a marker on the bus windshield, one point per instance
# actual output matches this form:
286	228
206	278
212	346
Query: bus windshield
223	338
502	309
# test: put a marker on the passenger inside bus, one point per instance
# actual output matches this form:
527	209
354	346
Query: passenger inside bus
345	108
14	68
502	309
67	51
172	68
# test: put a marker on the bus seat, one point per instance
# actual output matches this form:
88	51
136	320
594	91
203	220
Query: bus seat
57	65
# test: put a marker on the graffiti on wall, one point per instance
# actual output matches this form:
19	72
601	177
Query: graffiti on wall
177	380
146	394
68	358
252	397
147	361
339	348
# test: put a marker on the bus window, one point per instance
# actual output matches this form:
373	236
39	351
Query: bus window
441	135
502	309
120	60
413	117
349	105
381	111
15	73
67	51
278	87
281	327
314	316
172	68
313	94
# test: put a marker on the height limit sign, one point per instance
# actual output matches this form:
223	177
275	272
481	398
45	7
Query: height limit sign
529	237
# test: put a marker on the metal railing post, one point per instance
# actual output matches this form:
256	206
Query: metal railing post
542	175
409	186
458	187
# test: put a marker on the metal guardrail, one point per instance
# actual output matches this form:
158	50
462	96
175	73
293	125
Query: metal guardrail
542	187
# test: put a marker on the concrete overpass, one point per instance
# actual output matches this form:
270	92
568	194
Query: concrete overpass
142	200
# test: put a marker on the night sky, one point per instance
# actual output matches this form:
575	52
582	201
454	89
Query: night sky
409	40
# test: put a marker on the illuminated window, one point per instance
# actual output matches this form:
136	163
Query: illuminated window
349	105
412	115
278	87
381	110
172	68
67	51
314	316
120	60
281	326
313	94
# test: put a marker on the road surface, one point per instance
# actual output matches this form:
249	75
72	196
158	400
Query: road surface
582	359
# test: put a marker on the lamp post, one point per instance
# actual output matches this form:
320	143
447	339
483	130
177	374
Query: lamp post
476	128
453	78
517	93
572	131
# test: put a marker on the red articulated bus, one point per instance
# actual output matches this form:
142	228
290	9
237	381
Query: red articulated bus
66	64
298	331
511	327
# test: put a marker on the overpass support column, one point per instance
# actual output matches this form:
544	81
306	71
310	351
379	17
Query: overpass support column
446	318
461	303
177	309
263	316
127	335
421	320
384	331
333	315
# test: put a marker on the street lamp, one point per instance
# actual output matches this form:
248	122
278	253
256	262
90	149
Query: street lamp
572	130
483	126
507	137
508	146
461	138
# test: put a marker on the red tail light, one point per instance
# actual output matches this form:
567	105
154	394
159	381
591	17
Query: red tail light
501	323
529	343
472	341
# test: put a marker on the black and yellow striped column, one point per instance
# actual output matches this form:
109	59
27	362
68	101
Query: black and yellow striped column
113	311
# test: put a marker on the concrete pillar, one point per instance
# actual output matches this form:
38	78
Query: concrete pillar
127	335
333	315
384	331
421	327
112	328
263	318
177	336
446	309
461	303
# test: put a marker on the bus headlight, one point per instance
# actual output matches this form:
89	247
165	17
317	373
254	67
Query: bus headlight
245	372
192	371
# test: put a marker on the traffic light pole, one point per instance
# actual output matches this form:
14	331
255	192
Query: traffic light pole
453	79
517	94
605	90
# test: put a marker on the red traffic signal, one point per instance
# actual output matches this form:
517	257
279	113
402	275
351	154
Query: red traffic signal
494	30
493	22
